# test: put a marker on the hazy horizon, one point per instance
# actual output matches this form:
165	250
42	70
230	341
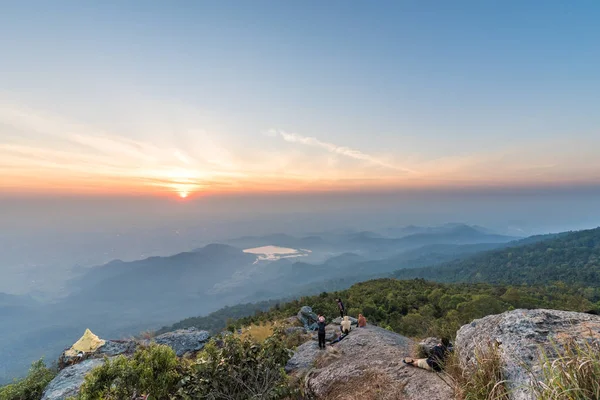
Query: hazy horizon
146	128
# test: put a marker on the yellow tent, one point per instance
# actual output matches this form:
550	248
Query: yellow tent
87	343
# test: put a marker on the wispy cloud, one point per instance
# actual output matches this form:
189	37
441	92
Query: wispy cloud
340	150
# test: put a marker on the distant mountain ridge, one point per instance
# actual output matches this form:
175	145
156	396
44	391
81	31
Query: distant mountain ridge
572	257
375	245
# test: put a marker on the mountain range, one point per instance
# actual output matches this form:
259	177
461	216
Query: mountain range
120	298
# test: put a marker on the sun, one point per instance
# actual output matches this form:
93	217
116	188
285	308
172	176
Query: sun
183	194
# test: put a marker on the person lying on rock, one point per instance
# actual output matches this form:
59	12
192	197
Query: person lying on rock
435	361
346	325
338	338
362	321
321	331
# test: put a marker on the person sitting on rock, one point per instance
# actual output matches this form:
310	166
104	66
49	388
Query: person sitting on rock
435	361
362	321
346	325
321	331
341	307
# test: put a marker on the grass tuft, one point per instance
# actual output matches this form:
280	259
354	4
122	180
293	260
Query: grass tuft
484	382
573	374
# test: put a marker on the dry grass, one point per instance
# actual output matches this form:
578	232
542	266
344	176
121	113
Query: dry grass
258	333
573	374
295	339
372	385
486	382
146	335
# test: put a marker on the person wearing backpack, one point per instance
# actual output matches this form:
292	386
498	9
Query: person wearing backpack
435	361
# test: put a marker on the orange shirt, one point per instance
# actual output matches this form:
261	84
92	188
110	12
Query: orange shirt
362	321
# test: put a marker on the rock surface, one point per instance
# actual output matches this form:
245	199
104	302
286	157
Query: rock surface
307	318
291	330
304	357
366	357
116	347
184	341
519	335
69	380
338	321
110	348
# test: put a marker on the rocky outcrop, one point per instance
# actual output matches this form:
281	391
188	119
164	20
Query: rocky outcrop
69	380
307	318
116	347
304	358
184	341
110	348
291	330
338	321
367	361
521	336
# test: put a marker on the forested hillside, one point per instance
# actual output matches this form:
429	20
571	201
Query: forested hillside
412	307
572	258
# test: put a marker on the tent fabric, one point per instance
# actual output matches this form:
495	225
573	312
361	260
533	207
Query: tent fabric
87	343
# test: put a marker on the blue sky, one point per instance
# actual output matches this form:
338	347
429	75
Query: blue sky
193	96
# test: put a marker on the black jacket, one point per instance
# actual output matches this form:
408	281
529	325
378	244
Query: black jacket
322	326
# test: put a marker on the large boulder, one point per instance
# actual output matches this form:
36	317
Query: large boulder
68	381
109	348
184	341
521	336
367	364
115	347
307	318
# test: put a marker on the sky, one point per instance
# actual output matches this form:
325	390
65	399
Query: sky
192	98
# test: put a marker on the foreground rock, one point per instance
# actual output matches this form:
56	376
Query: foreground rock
184	340
367	361
519	335
68	381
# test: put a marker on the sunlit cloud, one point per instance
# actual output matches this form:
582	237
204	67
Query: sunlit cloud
332	148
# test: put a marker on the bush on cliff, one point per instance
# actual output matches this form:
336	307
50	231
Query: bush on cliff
152	370
238	368
32	386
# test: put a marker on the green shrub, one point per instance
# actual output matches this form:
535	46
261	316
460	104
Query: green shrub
238	369
152	370
574	374
32	386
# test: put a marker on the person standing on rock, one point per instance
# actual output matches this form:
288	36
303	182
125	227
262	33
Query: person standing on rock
341	307
321	332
